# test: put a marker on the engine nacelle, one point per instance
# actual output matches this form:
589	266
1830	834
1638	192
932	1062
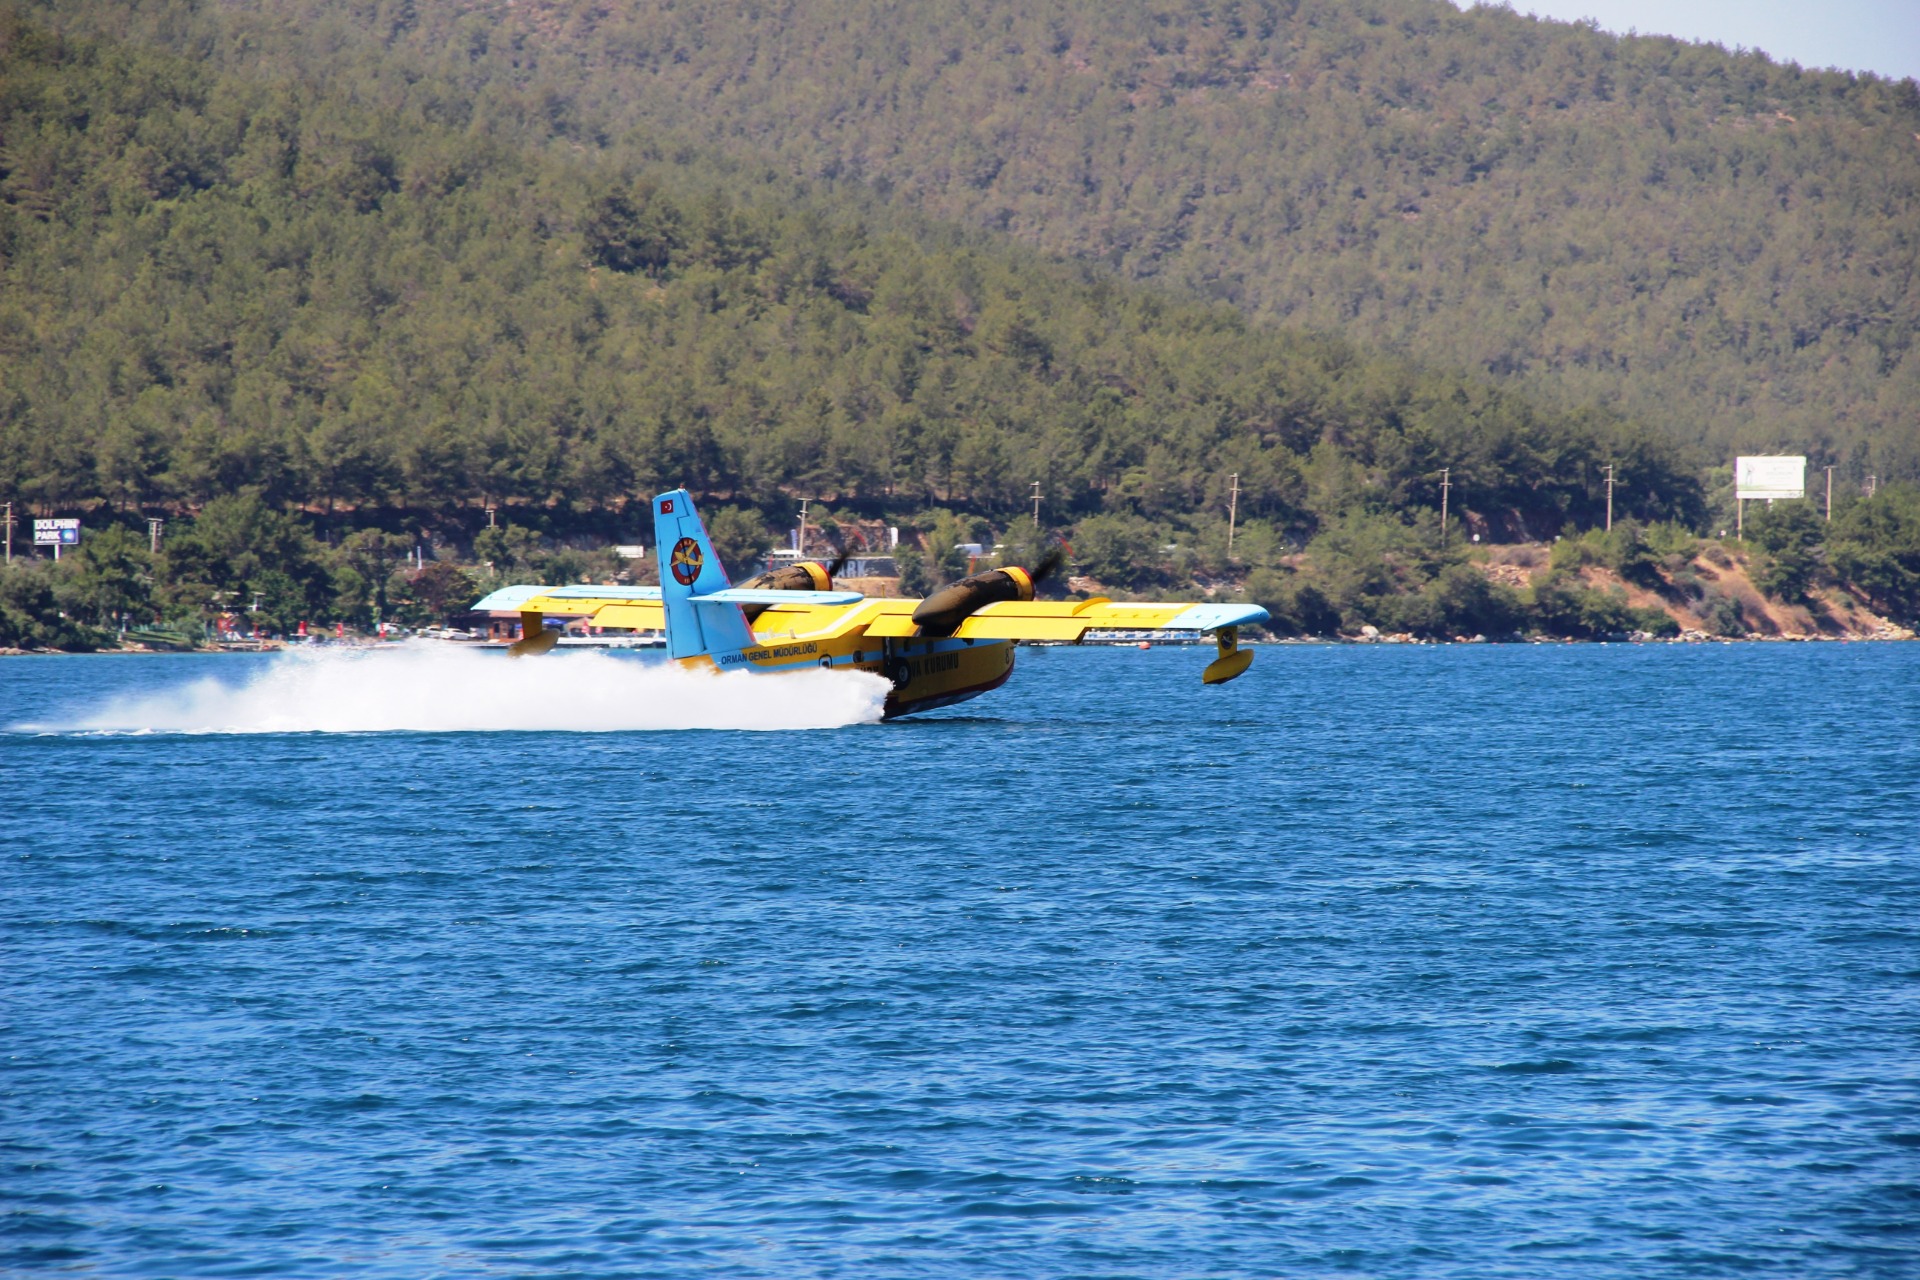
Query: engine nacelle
803	576
943	611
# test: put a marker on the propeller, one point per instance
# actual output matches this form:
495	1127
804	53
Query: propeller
1051	563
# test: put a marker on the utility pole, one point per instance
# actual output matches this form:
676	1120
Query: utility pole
1446	484
9	533
154	525
1609	497
1829	495
1036	504
800	537
1233	511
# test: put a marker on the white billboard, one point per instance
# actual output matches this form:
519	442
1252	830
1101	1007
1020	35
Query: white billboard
1770	477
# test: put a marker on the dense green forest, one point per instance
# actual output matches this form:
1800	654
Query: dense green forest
1717	244
318	327
214	282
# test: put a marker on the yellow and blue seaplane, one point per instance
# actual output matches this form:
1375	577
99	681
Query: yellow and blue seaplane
956	644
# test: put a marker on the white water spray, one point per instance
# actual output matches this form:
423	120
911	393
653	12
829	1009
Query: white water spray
433	689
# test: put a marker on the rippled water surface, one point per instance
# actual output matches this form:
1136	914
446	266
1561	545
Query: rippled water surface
1586	961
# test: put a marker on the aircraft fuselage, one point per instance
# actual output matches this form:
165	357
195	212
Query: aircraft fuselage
924	673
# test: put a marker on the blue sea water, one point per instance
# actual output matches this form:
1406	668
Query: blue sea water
1573	961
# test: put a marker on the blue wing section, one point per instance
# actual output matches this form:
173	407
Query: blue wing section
513	597
588	591
689	567
507	598
1208	617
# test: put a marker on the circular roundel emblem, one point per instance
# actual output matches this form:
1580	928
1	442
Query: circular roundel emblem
687	561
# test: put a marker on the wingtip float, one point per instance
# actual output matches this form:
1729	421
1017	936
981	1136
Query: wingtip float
535	638
954	645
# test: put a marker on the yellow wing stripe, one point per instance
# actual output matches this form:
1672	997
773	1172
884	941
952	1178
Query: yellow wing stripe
644	616
1063	619
893	626
978	628
572	606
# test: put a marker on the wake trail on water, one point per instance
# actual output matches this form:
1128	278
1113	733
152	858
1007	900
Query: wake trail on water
432	689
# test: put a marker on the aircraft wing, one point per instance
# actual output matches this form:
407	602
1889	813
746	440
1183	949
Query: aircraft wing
574	602
641	608
808	614
635	607
636	615
1070	620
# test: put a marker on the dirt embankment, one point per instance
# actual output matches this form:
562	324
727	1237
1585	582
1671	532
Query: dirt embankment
1712	595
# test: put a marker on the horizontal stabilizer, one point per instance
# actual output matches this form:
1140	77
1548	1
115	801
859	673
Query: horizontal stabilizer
757	595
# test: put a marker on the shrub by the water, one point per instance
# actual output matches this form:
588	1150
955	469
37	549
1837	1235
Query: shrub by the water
1875	545
30	613
1791	536
1466	603
1564	607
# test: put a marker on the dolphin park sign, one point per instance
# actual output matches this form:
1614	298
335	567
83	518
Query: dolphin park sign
56	534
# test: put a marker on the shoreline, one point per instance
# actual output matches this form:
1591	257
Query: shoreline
1898	636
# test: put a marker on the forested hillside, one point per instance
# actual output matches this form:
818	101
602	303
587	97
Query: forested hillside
1721	245
214	282
320	320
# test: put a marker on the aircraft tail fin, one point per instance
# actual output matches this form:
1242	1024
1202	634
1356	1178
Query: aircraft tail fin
690	567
